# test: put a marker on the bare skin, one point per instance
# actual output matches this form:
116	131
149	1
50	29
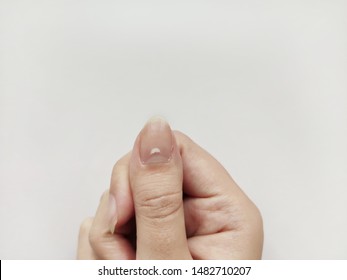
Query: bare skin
170	199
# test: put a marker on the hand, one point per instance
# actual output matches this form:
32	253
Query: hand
185	204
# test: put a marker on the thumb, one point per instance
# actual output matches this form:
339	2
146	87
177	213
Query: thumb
155	173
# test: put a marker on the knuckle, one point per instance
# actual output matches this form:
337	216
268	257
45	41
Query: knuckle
104	195
258	221
119	174
120	164
85	226
253	221
158	206
116	179
116	167
95	239
100	243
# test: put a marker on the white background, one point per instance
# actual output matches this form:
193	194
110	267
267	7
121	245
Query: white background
262	85
222	269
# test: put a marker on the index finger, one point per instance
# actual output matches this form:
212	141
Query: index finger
203	175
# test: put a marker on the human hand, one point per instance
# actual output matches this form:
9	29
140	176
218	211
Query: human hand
170	199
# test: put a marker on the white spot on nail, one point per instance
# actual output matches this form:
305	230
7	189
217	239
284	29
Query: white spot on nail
155	151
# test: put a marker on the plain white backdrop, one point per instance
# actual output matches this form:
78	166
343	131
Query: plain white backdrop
261	85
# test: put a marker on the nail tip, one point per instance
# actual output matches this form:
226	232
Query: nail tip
157	118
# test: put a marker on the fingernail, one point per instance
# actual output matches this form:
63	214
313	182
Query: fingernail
156	142
112	211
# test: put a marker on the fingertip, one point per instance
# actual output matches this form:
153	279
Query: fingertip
85	227
120	190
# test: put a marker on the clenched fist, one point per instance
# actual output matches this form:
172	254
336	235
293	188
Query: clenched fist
170	199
